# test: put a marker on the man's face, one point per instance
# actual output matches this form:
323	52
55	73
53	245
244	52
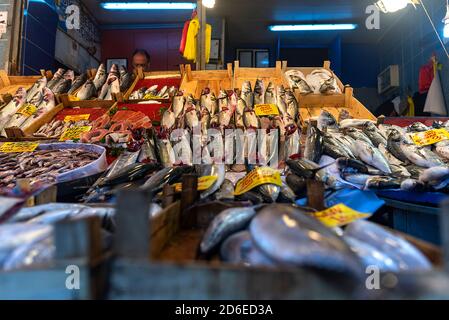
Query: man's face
139	60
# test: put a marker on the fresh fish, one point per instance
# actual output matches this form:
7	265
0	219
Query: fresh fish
344	115
434	174
290	237
420	156
357	134
247	94
298	81
166	152
56	78
178	105
412	185
292	143
378	183
370	256
348	165
297	184
286	195
130	173
168	120
399	171
395	139
356	178
404	254
269	192
280	99
374	134
372	156
442	149
7	111
165	176
417	127
62	86
87	91
226	191
240	249
292	104
219	171
327	120
259	92
163	92
310	170
209	101
350	123
34	94
77	83
148	150
336	149
329	86
270	94
223	225
223	100
415	171
47	105
100	78
126	79
390	157
250	119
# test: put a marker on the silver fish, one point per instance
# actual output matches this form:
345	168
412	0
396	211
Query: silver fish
327	120
47	105
100	77
166	152
372	156
417	127
168	120
247	94
7	111
178	105
270	94
442	149
404	254
374	134
225	224
292	143
434	174
420	156
357	134
77	83
87	91
259	92
219	171
209	101
226	191
289	236
292	104
56	78
34	94
351	123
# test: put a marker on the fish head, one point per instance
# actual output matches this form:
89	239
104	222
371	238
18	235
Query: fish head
205	91
259	87
246	87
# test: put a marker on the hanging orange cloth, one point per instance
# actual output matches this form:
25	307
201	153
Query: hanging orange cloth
182	46
191	40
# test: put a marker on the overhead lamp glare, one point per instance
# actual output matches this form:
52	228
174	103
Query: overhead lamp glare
209	3
390	6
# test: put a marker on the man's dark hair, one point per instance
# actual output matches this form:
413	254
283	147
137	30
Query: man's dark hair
142	52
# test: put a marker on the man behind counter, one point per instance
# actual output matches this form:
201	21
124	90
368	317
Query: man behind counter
141	59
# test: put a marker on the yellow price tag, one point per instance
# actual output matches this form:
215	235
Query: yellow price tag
73	98
266	110
339	215
27	109
19	146
151	97
74	133
430	137
204	183
256	178
77	117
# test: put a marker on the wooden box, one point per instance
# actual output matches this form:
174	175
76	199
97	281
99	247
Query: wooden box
194	82
274	75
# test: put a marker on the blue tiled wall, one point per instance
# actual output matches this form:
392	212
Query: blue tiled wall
38	38
411	43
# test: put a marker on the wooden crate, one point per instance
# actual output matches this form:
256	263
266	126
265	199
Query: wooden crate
10	84
311	105
194	82
69	103
18	134
78	243
149	75
274	75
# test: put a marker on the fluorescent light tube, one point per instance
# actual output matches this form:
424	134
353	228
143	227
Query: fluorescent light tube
313	27
148	5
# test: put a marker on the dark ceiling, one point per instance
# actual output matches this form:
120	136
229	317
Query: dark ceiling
247	20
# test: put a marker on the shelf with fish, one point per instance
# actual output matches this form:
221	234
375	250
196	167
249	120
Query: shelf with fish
267	75
41	270
194	82
180	245
10	84
319	88
155	85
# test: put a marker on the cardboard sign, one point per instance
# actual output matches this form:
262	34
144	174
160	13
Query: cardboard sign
339	215
204	183
77	117
256	178
429	137
27	109
18	147
266	110
74	133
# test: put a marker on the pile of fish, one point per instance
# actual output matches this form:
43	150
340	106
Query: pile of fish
39	96
104	85
379	157
55	128
232	110
281	235
120	128
41	165
153	92
320	81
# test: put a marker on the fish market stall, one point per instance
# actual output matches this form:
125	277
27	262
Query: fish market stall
194	82
10	84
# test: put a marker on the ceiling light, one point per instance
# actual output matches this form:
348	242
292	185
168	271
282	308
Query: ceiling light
388	6
209	3
313	27
148	5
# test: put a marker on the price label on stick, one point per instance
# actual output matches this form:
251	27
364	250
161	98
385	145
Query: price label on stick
76	117
266	110
430	137
204	183
74	133
339	215
18	147
27	109
256	178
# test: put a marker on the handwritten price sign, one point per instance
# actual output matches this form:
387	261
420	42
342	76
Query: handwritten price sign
74	133
430	137
77	117
204	183
266	110
18	147
27	110
339	215
256	178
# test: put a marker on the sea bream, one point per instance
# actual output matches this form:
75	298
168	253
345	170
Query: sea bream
7	111
87	91
47	105
374	134
100	77
420	156
372	156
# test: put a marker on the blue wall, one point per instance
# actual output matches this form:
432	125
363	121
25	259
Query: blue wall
411	43
38	38
360	65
